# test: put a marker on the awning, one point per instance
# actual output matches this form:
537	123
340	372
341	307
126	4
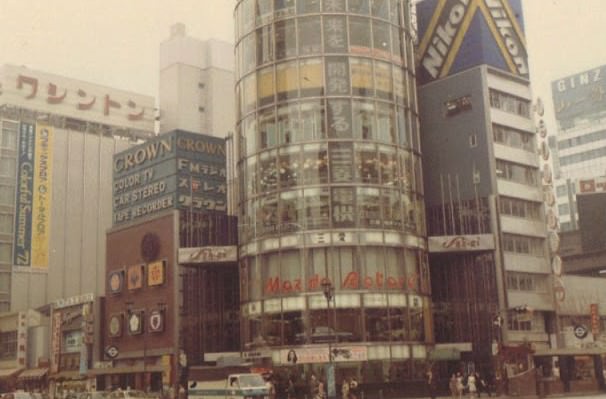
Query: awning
7	373
126	370
33	374
570	351
68	375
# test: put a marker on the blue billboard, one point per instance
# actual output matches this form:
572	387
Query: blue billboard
579	96
174	170
456	35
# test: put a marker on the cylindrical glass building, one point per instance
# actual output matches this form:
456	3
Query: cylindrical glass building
330	187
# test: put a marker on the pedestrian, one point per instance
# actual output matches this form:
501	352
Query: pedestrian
452	386
471	385
353	388
429	380
460	385
345	389
320	393
290	390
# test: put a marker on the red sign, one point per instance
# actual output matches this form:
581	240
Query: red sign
595	319
352	281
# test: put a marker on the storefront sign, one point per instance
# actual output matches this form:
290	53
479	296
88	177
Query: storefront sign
156	320
353	281
208	254
461	243
595	319
134	277
25	190
55	341
116	281
256	355
74	300
112	351
338	354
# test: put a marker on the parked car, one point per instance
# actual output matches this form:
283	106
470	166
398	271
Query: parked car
323	334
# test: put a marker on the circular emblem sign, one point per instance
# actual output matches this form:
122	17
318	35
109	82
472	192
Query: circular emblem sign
580	331
115	282
111	351
115	326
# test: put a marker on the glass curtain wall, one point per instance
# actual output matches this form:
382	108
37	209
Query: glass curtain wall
331	188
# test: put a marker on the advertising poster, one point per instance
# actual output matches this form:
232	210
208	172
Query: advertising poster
25	189
41	211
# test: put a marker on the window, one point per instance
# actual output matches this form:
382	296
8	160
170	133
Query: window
335	34
6	223
8	345
520	208
513	138
7	194
286	40
8	138
310	37
369	209
508	103
8	166
516	173
523	244
359	35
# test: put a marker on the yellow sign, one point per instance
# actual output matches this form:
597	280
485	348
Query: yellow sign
166	369
41	207
155	273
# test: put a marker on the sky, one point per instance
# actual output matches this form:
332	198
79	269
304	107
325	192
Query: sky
116	42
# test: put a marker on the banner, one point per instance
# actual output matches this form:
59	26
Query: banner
41	212
25	187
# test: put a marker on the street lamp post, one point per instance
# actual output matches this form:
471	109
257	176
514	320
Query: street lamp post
329	291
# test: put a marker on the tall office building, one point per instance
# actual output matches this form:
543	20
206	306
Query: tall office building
332	245
483	186
57	139
579	102
196	82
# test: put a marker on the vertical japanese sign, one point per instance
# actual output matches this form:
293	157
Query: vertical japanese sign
595	319
25	188
55	342
41	211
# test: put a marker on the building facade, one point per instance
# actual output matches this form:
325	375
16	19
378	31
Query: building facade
57	139
484	191
332	233
195	79
578	145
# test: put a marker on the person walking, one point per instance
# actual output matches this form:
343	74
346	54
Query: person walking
460	385
429	380
452	386
471	385
290	390
345	389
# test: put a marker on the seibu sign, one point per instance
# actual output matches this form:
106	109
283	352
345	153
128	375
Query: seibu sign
461	243
353	281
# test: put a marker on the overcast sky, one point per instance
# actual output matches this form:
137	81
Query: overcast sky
115	42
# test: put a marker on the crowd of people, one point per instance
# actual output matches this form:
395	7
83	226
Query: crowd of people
459	384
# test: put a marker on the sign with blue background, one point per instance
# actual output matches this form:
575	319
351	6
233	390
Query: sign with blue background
175	170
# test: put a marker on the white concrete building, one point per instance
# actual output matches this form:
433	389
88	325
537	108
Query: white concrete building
57	138
196	84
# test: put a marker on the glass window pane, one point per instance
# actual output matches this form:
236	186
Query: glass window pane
6	223
334	6
343	207
286	80
291	211
361	77
337	76
367	169
311	120
265	86
359	35
250	93
8	167
250	134
311	77
288	124
268	173
383	80
263	11
286	39
267	215
267	129
248	47
358	6
341	162
380	8
315	164
339	118
290	166
363	120
308	6
380	39
368	208
386	129
316	208
396	45
265	48
284	8
7	194
376	324
310	36
335	34
5	252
